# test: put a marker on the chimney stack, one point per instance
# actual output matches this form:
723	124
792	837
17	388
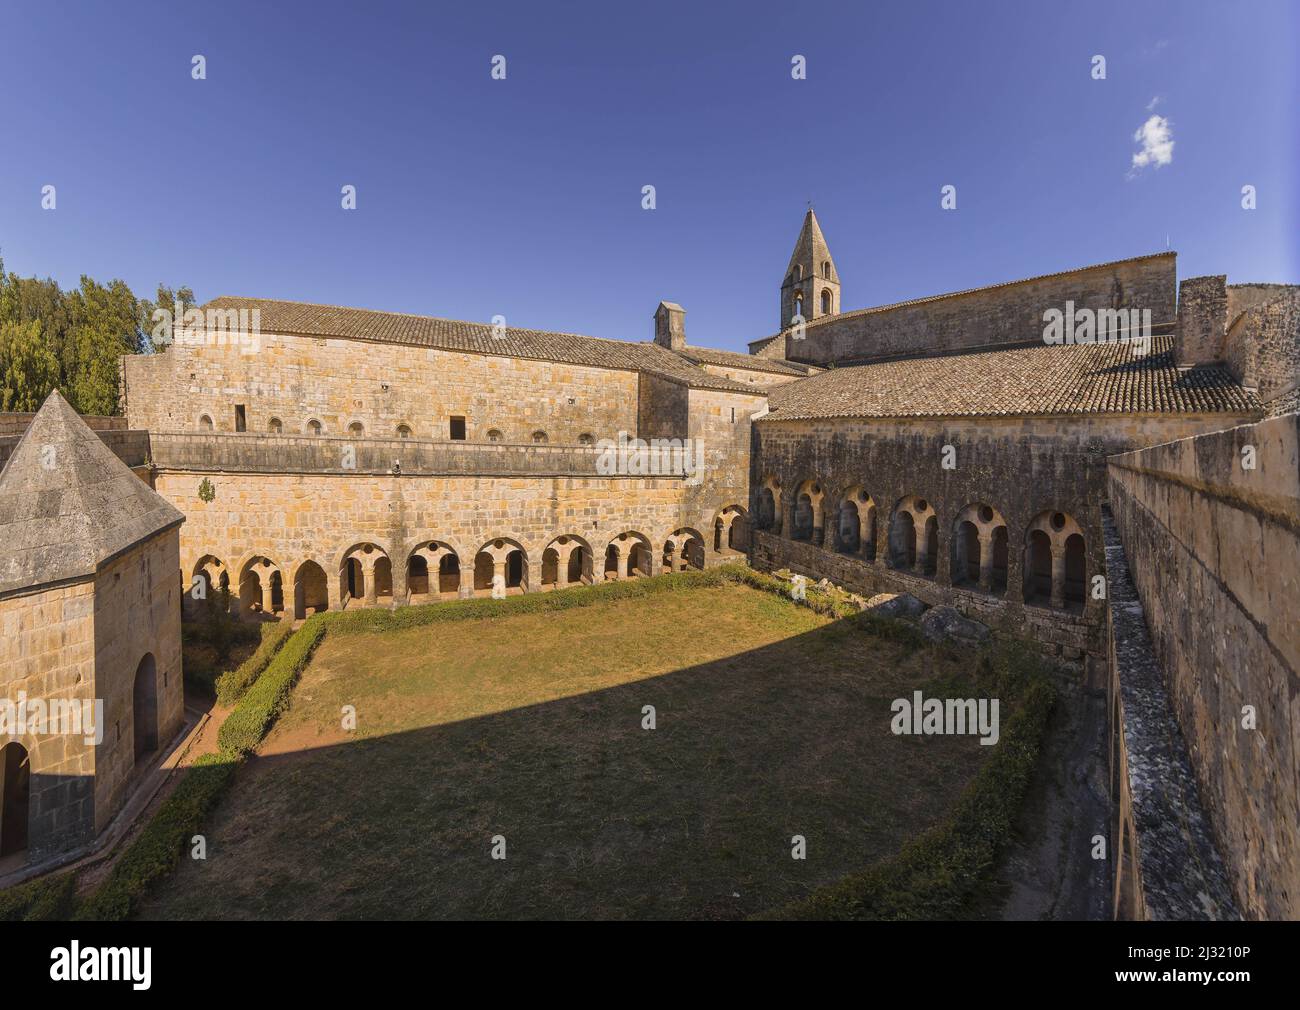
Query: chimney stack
670	326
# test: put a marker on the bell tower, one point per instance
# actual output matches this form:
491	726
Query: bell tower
812	284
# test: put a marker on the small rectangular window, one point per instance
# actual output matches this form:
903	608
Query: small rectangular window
458	428
241	422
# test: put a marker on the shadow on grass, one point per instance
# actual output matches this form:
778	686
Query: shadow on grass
601	818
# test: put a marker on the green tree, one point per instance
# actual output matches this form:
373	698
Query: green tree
28	368
104	328
176	301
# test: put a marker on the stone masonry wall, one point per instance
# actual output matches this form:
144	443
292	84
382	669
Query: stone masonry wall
1021	468
47	649
14	422
1006	313
1214	550
1262	348
291	518
382	386
137	611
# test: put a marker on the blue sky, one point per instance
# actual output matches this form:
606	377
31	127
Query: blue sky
522	197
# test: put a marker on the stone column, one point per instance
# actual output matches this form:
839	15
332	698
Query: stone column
401	593
368	573
499	572
264	580
922	547
986	562
1058	577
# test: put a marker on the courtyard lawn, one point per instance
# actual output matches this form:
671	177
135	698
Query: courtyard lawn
772	721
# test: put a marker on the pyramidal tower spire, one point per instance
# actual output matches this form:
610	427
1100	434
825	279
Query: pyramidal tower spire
811	288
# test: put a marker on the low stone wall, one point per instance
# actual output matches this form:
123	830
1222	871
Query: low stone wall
1164	862
131	447
253	453
1064	636
14	422
1213	546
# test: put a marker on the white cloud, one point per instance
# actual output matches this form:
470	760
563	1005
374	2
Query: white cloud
1153	103
1156	136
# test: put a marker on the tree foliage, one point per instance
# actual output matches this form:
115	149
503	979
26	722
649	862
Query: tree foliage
72	339
28	368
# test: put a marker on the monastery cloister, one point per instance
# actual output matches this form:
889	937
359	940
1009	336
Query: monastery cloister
362	573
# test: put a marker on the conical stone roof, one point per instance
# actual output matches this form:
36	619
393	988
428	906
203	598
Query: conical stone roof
68	504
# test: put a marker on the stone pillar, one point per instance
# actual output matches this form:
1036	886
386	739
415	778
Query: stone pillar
499	572
986	562
264	580
922	548
624	562
1058	577
786	529
368	573
340	587
401	594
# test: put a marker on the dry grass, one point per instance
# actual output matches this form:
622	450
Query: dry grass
772	721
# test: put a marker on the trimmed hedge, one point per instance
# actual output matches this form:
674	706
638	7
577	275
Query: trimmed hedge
360	622
46	899
232	684
157	850
944	872
247	724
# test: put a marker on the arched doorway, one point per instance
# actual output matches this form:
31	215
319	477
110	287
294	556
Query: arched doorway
144	708
310	590
15	792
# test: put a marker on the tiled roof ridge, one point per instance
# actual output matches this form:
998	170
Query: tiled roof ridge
1025	381
643	356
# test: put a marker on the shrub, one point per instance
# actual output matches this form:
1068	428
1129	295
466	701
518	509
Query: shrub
232	684
158	849
247	724
358	622
46	899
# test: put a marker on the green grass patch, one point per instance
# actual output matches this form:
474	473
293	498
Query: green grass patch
945	872
713	712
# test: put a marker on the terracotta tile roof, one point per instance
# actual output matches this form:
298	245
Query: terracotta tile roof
735	359
68	504
1031	380
814	323
306	319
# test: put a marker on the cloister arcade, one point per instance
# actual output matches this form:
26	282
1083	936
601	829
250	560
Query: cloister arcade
366	574
1050	558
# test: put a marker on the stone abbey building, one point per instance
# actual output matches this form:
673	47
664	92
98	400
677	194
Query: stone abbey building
946	447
